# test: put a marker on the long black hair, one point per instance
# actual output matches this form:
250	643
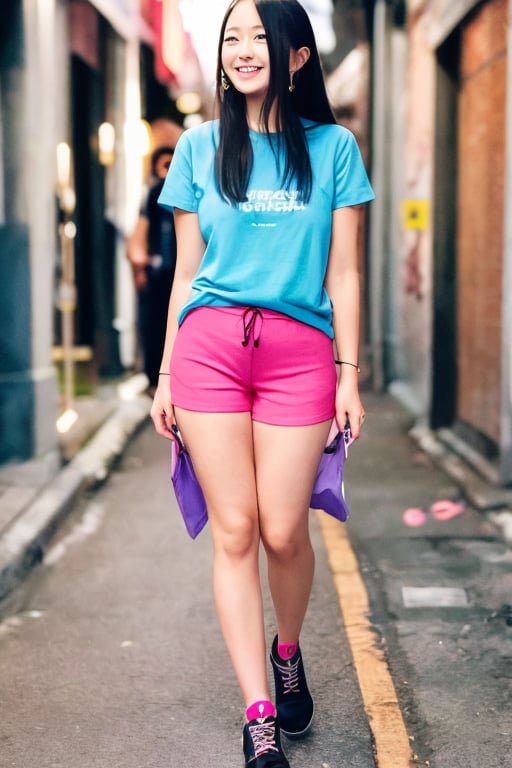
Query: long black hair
287	26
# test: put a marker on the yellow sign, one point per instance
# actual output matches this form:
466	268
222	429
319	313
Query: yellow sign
416	214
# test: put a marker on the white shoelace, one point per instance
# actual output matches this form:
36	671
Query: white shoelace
290	677
263	737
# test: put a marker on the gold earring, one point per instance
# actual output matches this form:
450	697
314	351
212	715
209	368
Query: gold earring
291	87
225	82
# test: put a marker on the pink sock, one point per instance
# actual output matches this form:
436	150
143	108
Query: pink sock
286	650
260	709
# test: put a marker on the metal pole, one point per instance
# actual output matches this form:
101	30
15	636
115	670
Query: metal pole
380	152
67	289
67	306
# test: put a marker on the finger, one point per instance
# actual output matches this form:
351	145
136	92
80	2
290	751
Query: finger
164	431
168	419
354	430
360	420
356	422
162	422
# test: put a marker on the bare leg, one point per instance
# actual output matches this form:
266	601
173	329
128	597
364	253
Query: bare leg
221	447
286	462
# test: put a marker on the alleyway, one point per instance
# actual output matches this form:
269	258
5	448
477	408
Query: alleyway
111	655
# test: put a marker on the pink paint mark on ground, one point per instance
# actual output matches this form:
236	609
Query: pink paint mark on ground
446	509
413	517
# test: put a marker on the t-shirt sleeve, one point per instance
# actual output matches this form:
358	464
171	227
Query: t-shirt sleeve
178	190
352	186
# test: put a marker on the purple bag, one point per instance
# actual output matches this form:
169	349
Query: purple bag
186	487
328	493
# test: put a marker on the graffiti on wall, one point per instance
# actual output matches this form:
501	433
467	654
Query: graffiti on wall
415	222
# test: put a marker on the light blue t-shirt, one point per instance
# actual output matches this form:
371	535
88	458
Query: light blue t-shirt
271	251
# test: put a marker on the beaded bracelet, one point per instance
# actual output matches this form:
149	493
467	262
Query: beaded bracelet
344	362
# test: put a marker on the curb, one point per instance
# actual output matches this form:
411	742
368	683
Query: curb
23	543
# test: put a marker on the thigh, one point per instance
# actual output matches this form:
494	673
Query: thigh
286	460
221	448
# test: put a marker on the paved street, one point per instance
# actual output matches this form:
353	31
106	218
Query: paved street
451	665
110	654
123	664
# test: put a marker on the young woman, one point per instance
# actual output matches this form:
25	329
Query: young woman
265	204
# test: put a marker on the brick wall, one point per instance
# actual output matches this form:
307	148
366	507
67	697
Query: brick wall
481	164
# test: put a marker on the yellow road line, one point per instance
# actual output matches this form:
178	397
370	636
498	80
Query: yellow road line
392	745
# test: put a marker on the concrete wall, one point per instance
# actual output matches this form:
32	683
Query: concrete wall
28	390
389	107
414	273
46	65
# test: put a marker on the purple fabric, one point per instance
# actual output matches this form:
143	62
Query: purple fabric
187	489
327	491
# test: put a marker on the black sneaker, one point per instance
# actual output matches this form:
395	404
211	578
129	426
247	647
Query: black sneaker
293	700
262	744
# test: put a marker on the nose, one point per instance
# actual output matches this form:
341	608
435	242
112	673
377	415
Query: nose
246	48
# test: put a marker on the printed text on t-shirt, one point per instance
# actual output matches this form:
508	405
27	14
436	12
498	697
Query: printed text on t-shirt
271	201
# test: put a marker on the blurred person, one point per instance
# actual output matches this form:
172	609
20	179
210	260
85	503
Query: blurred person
151	250
266	201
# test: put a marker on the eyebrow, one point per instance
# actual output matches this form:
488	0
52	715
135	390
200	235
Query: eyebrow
237	29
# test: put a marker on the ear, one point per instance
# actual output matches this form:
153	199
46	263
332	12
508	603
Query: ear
299	58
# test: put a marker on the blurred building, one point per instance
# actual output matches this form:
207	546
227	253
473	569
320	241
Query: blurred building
440	255
85	94
423	84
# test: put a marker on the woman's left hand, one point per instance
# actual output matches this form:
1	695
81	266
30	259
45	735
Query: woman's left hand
349	408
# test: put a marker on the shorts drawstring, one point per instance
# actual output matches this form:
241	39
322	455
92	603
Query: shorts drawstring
250	326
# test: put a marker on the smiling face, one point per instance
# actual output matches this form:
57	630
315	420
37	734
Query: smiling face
245	56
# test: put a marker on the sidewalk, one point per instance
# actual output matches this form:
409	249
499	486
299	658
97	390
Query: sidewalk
35	497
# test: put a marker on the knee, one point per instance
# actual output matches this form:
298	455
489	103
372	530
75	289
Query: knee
237	540
285	545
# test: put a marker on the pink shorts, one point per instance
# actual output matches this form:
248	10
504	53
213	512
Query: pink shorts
231	360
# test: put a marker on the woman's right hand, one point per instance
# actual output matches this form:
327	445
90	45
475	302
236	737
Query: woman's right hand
162	412
140	278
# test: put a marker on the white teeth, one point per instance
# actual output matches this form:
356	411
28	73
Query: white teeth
248	69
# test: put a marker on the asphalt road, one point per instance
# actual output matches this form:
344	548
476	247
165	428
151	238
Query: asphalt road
114	657
438	596
111	655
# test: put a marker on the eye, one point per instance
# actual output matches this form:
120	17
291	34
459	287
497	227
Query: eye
261	36
230	39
